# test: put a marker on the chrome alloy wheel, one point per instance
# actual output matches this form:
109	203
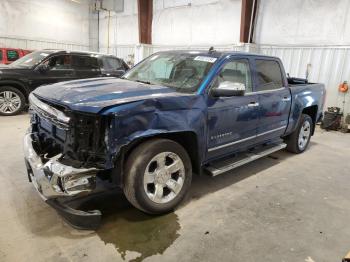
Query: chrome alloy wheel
164	177
304	135
10	102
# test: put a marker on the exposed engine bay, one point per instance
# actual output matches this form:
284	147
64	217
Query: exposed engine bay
79	138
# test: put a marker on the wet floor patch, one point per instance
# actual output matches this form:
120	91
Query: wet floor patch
130	230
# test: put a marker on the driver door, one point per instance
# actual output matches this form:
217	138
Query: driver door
59	68
232	120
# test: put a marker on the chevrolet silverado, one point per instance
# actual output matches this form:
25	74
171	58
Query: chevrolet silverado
173	114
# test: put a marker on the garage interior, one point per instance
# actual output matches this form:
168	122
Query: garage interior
282	207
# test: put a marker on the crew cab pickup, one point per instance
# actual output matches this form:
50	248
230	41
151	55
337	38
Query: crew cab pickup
43	67
174	114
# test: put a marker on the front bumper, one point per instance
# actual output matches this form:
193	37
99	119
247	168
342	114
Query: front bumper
55	182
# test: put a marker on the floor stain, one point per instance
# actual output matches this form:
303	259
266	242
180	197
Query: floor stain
129	229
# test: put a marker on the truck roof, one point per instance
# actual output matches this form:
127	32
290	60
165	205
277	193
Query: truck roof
51	51
215	53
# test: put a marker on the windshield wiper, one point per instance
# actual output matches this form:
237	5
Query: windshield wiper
144	82
140	81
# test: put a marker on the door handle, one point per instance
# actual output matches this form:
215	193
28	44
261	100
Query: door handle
285	99
253	104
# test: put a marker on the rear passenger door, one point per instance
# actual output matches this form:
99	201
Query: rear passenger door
86	66
274	99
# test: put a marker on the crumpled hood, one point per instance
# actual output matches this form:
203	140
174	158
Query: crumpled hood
94	94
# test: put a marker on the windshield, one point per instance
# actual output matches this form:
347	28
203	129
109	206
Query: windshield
183	72
30	60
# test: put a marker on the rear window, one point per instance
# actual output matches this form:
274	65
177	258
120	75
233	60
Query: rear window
12	55
85	62
269	75
110	63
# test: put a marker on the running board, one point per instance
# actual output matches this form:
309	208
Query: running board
223	166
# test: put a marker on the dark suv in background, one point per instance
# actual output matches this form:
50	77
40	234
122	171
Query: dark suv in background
44	67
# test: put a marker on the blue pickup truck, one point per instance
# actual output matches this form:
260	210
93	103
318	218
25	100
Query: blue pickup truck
175	114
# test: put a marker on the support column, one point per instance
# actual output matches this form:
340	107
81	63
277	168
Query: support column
248	14
145	14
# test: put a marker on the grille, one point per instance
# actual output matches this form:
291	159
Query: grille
81	141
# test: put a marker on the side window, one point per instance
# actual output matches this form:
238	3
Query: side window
0	56
110	63
85	63
236	71
269	75
60	62
12	55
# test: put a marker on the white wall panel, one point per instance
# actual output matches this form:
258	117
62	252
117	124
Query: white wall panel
123	27
44	24
194	22
302	22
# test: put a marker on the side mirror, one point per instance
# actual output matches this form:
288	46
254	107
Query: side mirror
120	72
43	68
228	88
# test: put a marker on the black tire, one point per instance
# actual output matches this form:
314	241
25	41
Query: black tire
134	172
293	139
22	99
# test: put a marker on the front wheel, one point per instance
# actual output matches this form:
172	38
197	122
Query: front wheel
298	141
157	176
12	101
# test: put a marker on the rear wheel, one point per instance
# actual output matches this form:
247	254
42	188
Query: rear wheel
12	101
298	141
158	174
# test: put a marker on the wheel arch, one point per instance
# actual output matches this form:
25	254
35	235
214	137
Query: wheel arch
187	139
20	86
312	112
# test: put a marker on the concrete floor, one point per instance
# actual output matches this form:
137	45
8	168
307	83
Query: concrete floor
281	208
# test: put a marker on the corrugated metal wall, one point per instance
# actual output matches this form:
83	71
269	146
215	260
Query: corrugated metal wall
121	51
32	44
157	48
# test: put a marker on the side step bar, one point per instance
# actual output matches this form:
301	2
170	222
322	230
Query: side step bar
223	166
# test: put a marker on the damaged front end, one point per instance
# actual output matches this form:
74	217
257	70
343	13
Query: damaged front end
65	153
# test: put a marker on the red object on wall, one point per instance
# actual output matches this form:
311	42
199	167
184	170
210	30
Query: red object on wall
8	55
344	87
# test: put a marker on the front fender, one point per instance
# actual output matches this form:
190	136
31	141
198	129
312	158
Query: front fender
149	118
